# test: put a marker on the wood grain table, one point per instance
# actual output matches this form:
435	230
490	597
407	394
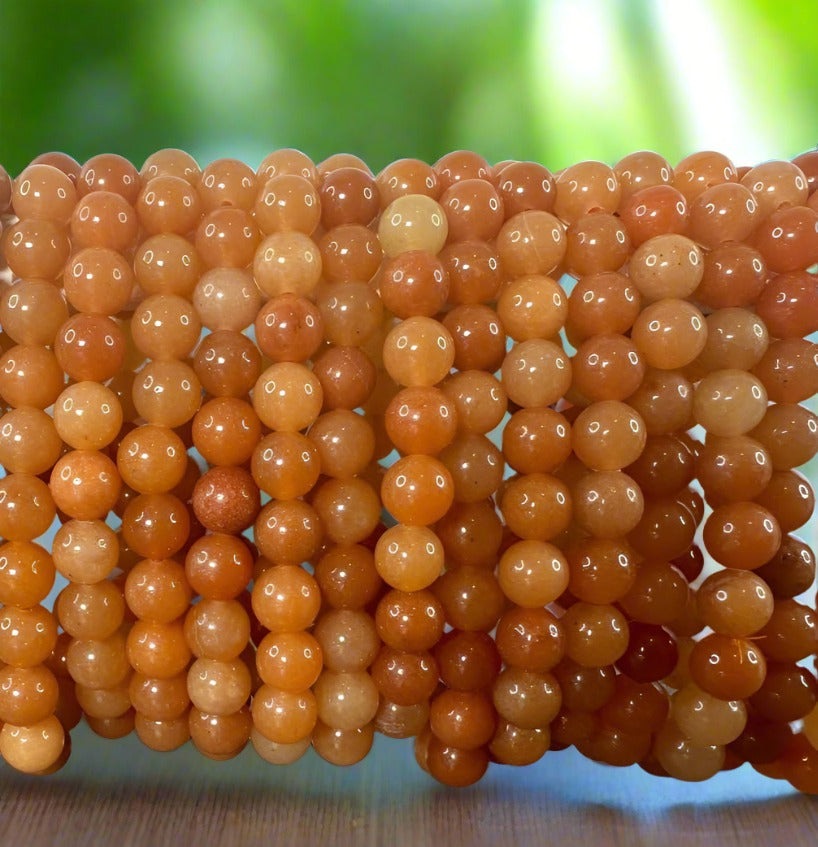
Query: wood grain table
117	794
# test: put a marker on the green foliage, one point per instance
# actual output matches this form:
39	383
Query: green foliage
387	78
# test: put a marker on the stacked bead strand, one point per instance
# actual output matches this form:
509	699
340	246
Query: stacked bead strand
501	460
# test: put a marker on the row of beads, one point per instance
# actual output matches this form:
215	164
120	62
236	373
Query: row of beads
414	453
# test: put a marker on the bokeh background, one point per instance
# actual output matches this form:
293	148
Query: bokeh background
550	80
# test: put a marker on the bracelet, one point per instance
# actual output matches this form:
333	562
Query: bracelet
497	459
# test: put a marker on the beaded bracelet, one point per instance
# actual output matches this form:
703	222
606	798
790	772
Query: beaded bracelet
493	458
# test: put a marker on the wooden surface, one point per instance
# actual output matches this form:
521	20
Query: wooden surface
117	794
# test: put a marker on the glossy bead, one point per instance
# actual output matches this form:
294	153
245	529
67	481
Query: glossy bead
26	573
789	693
472	598
682	759
32	312
287	397
85	484
406	176
478	399
348	195
35	248
533	573
608	367
474	270
531	242
285	598
287	202
26	507
405	679
87	416
418	351
30	376
791	570
35	747
98	663
654	210
607	504
28	635
729	402
278	754
595	243
526	699
168	203
471	533
474	210
666	529
608	435
227	182
699	171
536	506
226	298
167	264
348	509
734	275
790	499
532	307
43	191
791	633
155	526
475	465
788	370
536	373
727	668
348	640
411	621
347	577
459	165
171	161
417	490
420	420
536	440
344	444
346	701
479	339
788	239
347	376
167	393
601	570
151	459
531	639
670	333
219	737
465	719
287	161
651	654
775	184
342	747
157	649
526	185
412	222
722	213
158	590
351	312
732	468
288	531
742	535
666	266
226	431
218	566
413	283
217	629
287	262
664	400
455	767
658	594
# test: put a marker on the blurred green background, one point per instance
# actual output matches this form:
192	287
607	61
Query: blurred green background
551	80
